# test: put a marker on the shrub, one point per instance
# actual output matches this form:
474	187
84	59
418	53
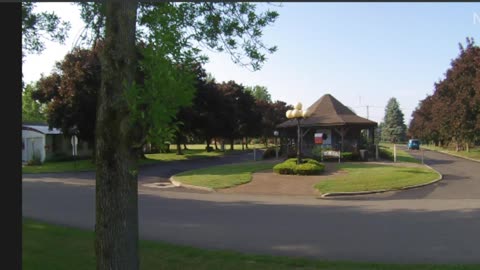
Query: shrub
317	152
385	153
208	148
285	168
307	167
355	156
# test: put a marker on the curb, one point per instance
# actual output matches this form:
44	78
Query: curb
446	153
334	194
180	184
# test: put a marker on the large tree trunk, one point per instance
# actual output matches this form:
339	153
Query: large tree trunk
116	227
179	148
232	141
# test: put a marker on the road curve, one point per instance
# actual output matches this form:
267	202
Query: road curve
435	224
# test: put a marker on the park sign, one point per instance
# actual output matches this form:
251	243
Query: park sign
318	138
74	141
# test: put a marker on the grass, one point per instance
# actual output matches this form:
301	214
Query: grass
61	166
187	154
402	156
51	247
223	176
474	153
194	151
371	177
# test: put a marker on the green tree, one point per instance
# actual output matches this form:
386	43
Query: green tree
452	114
32	111
37	27
70	93
393	127
259	93
129	111
116	222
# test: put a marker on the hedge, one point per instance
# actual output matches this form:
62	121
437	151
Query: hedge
308	167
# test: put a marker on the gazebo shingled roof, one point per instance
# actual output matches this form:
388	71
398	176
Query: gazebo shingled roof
328	111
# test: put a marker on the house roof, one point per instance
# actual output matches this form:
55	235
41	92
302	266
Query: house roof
328	111
44	129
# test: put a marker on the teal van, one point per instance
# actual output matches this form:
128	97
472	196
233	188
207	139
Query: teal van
413	144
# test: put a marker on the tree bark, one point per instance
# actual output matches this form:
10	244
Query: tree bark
116	226
179	148
231	143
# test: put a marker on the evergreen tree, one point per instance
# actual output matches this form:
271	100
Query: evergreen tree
393	126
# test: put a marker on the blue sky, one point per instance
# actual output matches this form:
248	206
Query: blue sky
361	53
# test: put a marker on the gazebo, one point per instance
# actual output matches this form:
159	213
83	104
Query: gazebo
341	127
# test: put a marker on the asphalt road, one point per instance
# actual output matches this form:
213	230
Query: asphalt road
434	224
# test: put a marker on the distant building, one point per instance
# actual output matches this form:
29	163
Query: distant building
38	139
341	127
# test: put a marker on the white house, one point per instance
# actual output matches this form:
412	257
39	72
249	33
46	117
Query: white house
40	140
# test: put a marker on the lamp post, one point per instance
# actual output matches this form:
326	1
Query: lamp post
275	133
298	114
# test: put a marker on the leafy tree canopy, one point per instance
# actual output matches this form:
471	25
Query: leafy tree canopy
32	111
259	93
37	27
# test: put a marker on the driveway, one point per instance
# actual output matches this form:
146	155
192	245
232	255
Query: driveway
435	224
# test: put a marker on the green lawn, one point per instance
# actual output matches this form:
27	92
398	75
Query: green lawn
223	176
49	247
402	156
61	166
187	154
194	151
474	153
371	177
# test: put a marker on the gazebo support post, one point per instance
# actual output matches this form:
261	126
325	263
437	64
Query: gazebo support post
342	131
298	141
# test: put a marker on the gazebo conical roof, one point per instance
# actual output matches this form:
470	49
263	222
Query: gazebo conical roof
328	111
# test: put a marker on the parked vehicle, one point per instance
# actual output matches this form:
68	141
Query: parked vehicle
413	144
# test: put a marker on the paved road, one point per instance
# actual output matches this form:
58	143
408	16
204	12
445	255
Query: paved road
437	224
157	172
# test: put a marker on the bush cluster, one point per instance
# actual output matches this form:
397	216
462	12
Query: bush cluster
308	167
